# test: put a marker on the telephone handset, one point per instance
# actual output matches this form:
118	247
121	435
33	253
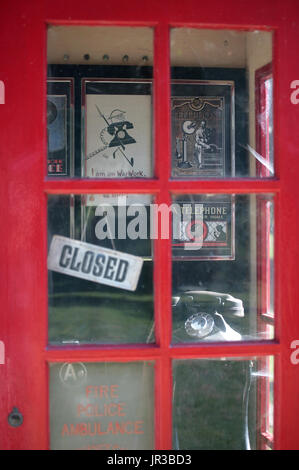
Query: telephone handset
202	315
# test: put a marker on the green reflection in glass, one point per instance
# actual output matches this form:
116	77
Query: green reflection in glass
215	404
81	311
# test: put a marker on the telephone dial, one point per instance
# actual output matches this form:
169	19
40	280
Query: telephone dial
203	315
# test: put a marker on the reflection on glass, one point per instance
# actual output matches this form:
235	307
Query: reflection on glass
266	387
83	311
223	268
264	128
106	406
266	298
222	93
217	404
103	77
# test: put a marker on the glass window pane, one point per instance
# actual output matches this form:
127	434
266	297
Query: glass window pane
222	111
219	404
266	383
223	267
99	102
88	300
107	406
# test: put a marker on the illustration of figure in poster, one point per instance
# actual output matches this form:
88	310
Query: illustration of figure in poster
118	136
115	134
198	136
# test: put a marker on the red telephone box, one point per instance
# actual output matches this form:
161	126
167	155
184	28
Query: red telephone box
158	106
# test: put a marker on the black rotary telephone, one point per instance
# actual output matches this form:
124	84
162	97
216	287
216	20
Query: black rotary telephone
202	315
120	135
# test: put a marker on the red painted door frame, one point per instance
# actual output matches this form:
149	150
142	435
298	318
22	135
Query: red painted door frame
23	319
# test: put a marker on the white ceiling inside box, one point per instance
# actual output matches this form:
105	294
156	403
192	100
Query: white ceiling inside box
134	46
104	45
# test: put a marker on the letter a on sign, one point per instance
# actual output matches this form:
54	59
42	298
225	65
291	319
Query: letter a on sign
69	373
73	374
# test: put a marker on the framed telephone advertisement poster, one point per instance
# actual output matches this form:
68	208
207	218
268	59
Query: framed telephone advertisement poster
204	228
60	102
202	129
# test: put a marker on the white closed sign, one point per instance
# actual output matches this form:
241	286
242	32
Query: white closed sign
93	263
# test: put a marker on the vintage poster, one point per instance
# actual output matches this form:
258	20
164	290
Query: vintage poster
59	127
198	136
57	135
102	406
205	229
117	134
